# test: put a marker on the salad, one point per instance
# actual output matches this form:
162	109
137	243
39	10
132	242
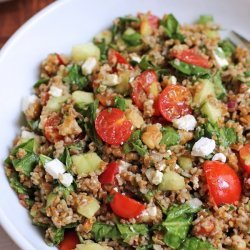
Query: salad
139	140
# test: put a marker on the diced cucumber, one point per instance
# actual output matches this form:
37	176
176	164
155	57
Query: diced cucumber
50	199
204	89
128	102
81	52
91	246
123	86
211	109
172	181
220	90
89	208
55	103
105	36
82	98
86	163
185	162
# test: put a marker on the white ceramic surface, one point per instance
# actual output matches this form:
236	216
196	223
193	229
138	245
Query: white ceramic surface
56	29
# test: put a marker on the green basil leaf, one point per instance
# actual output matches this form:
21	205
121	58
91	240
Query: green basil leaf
120	103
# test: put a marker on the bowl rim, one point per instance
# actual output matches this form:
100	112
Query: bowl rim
6	224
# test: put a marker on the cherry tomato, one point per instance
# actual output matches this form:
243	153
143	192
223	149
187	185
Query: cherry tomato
70	241
144	85
245	158
204	228
109	175
60	59
190	56
223	183
174	102
112	126
51	130
126	207
115	57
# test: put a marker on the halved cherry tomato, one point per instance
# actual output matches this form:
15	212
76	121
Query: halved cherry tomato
245	157
109	175
70	241
223	183
126	207
144	85
115	57
174	102
190	56
112	126
51	130
60	59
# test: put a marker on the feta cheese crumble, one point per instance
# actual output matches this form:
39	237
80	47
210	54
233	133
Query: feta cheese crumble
155	177
89	65
27	101
186	122
66	179
55	91
54	168
27	135
173	80
220	58
203	147
219	157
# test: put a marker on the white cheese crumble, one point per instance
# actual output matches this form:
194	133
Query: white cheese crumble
203	147
27	101
89	65
27	135
150	211
173	80
186	122
55	168
135	58
219	157
111	80
155	177
55	91
220	58
123	166
194	203
66	179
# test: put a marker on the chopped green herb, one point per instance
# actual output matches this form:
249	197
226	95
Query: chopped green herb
131	38
66	159
170	136
103	50
120	103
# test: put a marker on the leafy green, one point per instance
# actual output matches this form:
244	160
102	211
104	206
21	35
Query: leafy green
89	125
189	69
103	50
75	77
66	159
220	90
16	185
34	125
63	191
170	136
28	146
132	39
224	136
40	81
43	159
177	224
205	19
134	143
171	27
101	231
228	47
195	243
56	236
120	103
129	231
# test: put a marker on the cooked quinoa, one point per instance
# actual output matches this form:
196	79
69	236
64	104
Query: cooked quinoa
139	140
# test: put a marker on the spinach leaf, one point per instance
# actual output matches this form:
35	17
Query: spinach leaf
41	81
43	159
170	136
16	185
131	230
34	125
56	236
76	78
228	47
103	50
228	136
205	19
66	159
177	224
131	38
194	243
171	27
220	90
101	231
134	143
189	69
28	146
120	103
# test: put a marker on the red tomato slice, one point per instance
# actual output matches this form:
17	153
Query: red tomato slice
190	56
223	183
51	130
144	85
70	241
109	175
174	102
245	158
115	57
113	127
126	207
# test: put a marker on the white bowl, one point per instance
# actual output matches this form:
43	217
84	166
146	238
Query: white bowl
56	29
